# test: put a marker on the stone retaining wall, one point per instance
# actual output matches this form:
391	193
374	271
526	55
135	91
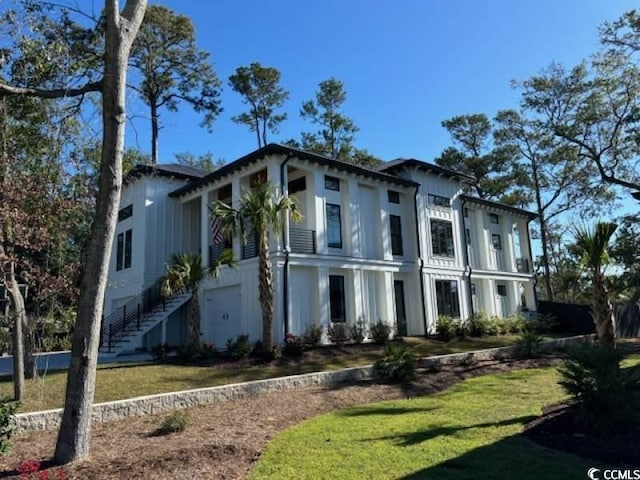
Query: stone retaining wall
151	404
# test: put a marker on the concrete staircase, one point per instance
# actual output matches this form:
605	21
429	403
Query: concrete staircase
128	338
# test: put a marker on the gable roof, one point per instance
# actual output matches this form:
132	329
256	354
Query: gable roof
397	164
277	149
175	170
499	206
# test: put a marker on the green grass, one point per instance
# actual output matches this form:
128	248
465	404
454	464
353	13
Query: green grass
470	431
117	382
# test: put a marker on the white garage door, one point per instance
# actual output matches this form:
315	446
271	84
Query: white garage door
222	319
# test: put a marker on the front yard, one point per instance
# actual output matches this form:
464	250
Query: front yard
121	381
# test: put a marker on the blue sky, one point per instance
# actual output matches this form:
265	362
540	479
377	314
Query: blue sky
406	64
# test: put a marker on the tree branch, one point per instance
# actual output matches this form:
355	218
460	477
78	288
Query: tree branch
9	90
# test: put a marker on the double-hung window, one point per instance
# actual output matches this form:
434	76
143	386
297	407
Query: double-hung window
334	226
442	238
447	298
337	298
396	234
123	250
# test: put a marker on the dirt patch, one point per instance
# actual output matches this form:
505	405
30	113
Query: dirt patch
226	439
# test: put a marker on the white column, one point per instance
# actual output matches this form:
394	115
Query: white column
386	300
317	183
529	295
273	175
355	308
324	316
351	224
513	296
484	253
384	242
491	296
205	229
508	250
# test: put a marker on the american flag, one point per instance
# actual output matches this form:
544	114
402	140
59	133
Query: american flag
216	230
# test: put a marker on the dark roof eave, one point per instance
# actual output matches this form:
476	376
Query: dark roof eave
500	206
275	149
429	167
162	170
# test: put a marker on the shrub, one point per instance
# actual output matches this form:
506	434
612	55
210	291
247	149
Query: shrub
240	348
312	336
461	328
208	350
8	409
30	469
357	331
338	333
515	323
160	351
192	351
546	323
176	422
601	389
479	324
380	333
398	363
446	327
293	346
528	342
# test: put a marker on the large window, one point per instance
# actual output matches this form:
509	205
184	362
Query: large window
447	298
396	234
123	250
442	238
334	226
337	298
439	201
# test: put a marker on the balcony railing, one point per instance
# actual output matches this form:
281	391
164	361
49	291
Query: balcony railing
302	240
523	265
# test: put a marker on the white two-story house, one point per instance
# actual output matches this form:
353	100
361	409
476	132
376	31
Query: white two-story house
399	244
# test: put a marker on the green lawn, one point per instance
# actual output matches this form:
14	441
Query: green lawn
117	382
470	431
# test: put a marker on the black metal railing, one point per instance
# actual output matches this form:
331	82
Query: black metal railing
302	240
523	265
126	319
250	247
215	251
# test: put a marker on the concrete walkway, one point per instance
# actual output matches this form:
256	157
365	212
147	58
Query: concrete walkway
47	362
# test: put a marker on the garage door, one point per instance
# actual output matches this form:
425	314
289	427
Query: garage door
222	319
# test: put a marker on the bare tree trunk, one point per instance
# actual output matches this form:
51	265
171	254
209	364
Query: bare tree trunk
266	292
30	370
193	314
18	334
155	128
603	312
75	429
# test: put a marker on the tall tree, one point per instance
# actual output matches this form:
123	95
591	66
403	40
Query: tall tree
592	244
558	180
261	211
337	131
496	167
596	110
204	161
172	69
120	30
260	89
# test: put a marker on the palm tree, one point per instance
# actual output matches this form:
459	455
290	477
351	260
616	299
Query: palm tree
260	211
592	245
184	274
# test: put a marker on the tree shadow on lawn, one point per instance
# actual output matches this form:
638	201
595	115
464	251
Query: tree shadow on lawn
408	439
512	457
364	411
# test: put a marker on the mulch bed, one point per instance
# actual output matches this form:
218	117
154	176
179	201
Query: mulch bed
561	428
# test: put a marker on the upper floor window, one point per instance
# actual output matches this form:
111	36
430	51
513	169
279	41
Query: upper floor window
224	194
258	178
334	226
297	185
493	218
396	234
331	183
496	240
393	196
123	250
125	212
442	238
439	201
502	290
